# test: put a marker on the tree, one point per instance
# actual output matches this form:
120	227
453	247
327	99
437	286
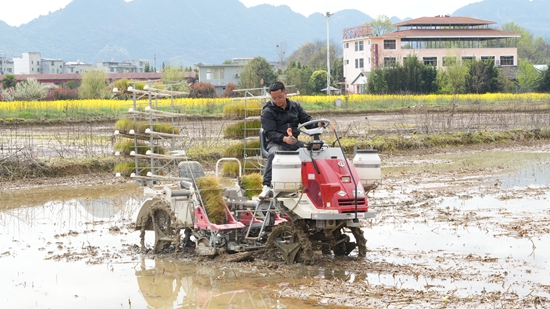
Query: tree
318	80
9	81
256	71
527	76
94	85
228	91
337	70
376	82
299	75
535	50
314	54
176	77
482	77
452	80
29	90
203	90
544	84
381	25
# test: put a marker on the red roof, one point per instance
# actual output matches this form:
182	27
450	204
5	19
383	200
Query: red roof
451	33
444	21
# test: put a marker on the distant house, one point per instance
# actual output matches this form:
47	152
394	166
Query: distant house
434	40
28	63
220	75
6	65
51	66
131	66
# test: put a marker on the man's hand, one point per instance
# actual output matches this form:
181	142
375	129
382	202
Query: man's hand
291	140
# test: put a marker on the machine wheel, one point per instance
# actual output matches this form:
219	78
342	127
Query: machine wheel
156	215
291	242
343	246
360	240
162	225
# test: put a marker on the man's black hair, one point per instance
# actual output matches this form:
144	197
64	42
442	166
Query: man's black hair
277	86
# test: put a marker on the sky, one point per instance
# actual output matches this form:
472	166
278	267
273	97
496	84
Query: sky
17	12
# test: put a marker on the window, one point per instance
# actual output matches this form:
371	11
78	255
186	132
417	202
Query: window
467	59
389	44
488	58
52	63
430	61
449	61
506	60
346	45
356	63
347	61
369	42
361	63
214	73
390	61
37	62
359	46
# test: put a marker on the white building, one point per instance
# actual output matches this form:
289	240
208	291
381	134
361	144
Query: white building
28	63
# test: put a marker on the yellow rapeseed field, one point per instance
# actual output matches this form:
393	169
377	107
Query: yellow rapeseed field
190	103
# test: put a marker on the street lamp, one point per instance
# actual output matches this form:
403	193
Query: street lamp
327	18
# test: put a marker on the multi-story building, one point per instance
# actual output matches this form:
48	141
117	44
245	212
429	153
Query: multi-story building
28	63
436	41
77	67
6	65
51	66
133	66
219	75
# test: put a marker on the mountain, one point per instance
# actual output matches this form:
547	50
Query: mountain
529	14
182	32
186	32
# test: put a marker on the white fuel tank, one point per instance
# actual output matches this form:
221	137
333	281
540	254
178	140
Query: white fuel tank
368	166
286	171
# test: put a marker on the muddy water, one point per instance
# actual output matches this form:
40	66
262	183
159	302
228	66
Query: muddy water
76	248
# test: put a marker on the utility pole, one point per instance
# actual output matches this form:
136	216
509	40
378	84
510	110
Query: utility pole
327	18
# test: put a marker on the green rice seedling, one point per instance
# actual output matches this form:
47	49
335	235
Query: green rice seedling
125	168
237	150
211	195
231	168
124	124
125	146
237	130
252	184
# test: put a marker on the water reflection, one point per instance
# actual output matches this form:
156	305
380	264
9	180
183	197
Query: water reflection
176	284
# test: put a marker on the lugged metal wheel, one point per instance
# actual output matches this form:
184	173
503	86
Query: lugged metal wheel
291	242
159	218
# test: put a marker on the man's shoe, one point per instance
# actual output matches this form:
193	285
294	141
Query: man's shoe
267	192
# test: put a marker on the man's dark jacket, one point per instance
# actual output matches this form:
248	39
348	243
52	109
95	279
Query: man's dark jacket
275	120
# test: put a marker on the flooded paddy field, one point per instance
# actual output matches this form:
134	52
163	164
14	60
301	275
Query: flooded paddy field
455	228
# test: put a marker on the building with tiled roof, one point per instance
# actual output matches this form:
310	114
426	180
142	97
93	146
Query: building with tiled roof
434	40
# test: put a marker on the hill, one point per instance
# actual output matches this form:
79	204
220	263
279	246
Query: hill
186	32
529	14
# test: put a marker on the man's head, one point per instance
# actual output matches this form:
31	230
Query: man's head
278	94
